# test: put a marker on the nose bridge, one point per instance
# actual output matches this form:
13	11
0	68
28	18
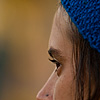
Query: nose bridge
46	93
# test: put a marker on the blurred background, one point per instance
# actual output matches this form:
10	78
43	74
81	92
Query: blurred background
25	27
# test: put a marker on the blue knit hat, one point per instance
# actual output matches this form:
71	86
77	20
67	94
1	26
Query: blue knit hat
85	14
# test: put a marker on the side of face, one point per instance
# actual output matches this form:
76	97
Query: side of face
60	85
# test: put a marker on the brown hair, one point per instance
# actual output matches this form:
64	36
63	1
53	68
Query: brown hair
87	66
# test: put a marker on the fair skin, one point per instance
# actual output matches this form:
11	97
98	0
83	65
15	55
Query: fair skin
60	85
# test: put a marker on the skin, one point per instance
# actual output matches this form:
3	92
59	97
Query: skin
60	85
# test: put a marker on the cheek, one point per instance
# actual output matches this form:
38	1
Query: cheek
64	86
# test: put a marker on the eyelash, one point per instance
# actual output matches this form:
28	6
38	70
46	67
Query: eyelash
55	62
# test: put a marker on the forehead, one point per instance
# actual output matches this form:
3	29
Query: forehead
59	38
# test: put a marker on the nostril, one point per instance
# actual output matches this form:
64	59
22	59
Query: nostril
47	95
43	97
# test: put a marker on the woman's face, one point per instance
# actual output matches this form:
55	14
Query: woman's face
60	85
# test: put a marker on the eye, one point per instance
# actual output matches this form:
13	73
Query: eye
58	65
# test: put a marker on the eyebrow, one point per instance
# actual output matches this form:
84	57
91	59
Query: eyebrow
55	53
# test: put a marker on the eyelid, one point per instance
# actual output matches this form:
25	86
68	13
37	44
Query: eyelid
54	61
58	66
61	59
56	53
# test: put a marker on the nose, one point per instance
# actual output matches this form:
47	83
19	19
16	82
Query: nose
46	93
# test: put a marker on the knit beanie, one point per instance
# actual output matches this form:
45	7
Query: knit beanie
85	14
